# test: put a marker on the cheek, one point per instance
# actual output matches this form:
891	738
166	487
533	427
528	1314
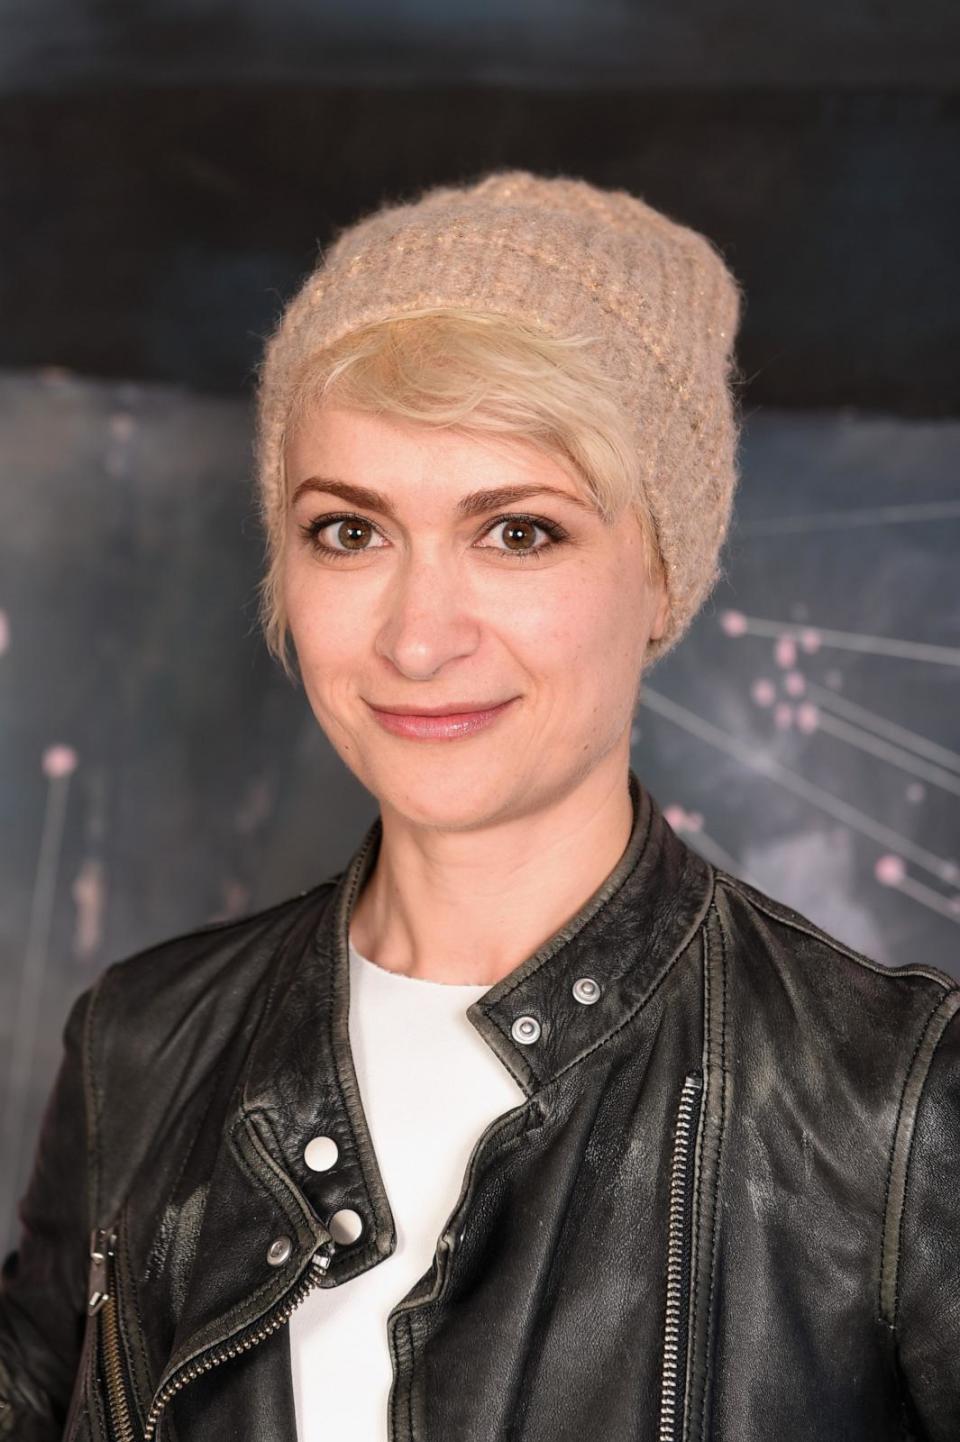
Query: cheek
563	629
592	637
320	629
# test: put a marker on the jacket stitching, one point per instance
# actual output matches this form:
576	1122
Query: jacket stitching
601	899
694	1253
359	1256
282	1187
898	1129
695	1242
699	934
704	1128
275	980
640	1006
889	1179
394	1399
139	1331
714	1229
232	1319
410	1377
910	1152
754	898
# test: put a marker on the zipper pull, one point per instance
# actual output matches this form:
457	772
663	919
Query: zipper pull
322	1257
98	1282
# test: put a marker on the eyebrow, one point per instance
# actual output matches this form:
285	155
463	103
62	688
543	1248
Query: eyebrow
474	504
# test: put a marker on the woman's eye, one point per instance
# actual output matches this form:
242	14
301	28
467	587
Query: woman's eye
350	535
518	533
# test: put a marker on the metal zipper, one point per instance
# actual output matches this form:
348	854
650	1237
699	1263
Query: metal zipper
673	1380
101	1299
244	1340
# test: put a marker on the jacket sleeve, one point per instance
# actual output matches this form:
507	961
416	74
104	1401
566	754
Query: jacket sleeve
43	1281
928	1310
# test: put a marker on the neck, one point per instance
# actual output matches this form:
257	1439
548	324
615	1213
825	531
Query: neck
467	907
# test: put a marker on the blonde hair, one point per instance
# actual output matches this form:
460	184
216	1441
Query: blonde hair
480	373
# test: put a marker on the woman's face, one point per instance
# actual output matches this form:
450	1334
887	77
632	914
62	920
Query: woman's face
445	588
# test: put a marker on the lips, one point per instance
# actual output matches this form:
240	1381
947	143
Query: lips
440	725
454	708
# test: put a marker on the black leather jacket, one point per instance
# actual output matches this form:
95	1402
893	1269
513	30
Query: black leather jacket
728	1207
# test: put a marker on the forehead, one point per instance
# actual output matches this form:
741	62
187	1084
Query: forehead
403	459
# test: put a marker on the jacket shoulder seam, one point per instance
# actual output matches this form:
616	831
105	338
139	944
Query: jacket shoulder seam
770	907
226	924
901	1152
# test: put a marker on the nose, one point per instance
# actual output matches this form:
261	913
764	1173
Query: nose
428	620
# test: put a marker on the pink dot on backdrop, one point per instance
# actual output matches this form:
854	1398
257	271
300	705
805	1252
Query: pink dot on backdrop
59	761
676	816
890	870
794	683
734	623
808	716
783	715
785	651
4	632
811	640
916	791
763	691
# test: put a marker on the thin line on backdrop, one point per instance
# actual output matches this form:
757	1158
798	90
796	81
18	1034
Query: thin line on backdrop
747	753
926	896
839	520
910	740
896	755
737	624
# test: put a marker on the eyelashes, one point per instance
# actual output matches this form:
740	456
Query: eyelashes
312	529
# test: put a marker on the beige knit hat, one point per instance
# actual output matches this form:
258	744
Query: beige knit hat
561	253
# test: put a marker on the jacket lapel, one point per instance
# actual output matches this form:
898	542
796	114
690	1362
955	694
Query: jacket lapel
300	1080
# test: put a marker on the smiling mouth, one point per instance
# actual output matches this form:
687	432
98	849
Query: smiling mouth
458	708
441	725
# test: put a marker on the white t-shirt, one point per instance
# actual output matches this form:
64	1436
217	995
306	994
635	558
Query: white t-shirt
430	1086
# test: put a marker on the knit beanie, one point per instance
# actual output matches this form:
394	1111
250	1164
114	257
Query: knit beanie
567	256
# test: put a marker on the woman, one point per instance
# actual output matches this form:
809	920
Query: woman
529	1124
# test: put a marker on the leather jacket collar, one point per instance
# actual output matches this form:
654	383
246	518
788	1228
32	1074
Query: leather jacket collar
624	937
301	1080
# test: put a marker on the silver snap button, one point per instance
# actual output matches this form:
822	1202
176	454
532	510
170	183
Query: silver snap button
525	1029
345	1226
279	1251
320	1154
585	989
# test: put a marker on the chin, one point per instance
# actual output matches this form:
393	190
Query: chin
451	795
